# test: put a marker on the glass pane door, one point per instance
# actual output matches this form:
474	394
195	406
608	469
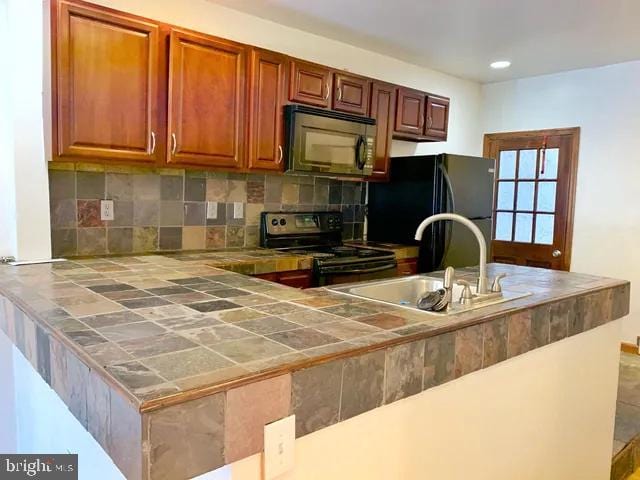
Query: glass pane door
526	195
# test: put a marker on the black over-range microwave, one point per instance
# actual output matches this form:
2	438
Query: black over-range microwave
326	142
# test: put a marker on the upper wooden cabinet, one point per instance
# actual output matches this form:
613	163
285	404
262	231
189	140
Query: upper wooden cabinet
310	83
105	77
206	115
410	111
421	116
383	101
351	93
437	112
267	82
128	89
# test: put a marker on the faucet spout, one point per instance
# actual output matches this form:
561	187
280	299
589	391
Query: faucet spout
482	279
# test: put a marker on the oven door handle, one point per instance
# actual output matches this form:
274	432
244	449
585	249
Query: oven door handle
328	270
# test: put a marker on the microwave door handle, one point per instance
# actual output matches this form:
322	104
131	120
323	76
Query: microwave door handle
361	143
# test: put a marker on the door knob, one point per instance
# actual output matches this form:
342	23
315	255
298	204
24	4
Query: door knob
556	253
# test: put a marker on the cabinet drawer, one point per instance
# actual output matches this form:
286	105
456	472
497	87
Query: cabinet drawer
407	267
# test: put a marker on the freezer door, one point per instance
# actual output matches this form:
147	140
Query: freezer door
472	181
463	249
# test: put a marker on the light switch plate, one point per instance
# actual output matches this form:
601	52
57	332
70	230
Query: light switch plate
238	209
279	447
212	210
106	210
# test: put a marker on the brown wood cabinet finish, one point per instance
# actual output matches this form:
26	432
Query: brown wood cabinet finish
410	111
437	112
383	101
106	72
351	93
267	84
293	278
407	266
128	89
206	101
310	83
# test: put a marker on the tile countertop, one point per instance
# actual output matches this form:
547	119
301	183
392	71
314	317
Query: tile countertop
167	331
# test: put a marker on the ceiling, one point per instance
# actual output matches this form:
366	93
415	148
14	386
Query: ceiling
461	37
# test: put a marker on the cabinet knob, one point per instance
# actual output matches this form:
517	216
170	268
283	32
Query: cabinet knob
339	94
556	253
326	91
280	154
153	142
174	144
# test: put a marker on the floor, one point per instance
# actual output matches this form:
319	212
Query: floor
628	409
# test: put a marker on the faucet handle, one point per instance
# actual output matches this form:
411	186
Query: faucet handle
466	296
496	287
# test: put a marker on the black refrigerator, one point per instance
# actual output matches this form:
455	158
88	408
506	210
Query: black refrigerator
421	186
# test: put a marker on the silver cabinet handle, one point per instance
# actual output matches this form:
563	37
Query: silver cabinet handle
326	91
153	142
339	94
556	253
429	123
280	153
174	144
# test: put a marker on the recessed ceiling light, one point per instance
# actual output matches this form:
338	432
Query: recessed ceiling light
500	64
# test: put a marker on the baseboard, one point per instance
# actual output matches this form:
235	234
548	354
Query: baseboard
629	348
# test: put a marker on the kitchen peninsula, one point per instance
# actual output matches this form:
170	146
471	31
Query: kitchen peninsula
158	356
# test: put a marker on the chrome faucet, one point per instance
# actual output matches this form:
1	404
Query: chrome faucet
482	279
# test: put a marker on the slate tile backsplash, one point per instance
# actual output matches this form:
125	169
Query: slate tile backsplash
165	210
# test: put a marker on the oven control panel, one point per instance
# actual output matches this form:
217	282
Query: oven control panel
301	223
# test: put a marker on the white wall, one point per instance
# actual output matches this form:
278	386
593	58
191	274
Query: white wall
36	420
532	417
604	102
24	192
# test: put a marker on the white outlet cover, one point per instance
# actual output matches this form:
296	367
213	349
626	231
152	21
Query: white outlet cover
106	210
238	209
279	447
212	210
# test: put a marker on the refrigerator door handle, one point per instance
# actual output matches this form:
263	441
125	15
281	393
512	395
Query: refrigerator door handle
452	202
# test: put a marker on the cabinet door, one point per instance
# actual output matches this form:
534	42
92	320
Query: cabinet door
206	101
310	83
437	117
296	278
351	94
383	102
106	73
266	121
410	111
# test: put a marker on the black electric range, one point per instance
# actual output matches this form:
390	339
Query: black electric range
319	235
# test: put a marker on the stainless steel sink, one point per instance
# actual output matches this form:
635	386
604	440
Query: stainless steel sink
405	292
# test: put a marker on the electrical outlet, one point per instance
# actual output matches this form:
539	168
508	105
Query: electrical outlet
212	210
279	447
106	210
238	209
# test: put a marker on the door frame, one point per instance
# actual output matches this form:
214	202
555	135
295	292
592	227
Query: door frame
574	134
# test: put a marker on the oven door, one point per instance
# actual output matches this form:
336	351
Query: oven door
328	142
335	274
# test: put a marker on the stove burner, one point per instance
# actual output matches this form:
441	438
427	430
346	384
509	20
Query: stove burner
367	253
345	251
